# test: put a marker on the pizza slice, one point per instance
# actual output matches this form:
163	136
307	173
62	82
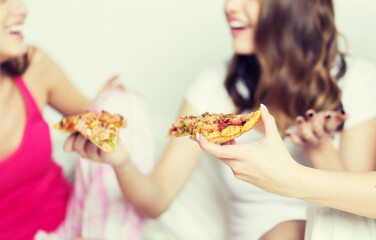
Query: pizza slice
100	128
216	128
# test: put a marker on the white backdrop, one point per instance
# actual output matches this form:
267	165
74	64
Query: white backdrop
158	46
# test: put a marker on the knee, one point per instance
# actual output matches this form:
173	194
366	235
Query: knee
288	230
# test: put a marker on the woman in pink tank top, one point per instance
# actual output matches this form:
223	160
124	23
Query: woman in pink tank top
33	190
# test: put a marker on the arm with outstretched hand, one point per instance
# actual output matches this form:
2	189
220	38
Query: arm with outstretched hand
268	165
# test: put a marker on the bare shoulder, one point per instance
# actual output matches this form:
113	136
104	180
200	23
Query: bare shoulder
44	72
40	68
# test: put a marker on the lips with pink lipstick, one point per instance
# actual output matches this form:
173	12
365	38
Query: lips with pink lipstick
237	26
16	30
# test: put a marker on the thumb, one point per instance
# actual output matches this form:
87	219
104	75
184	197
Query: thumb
270	126
219	151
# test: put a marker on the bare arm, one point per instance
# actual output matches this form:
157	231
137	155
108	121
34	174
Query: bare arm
151	194
358	150
268	165
350	192
51	83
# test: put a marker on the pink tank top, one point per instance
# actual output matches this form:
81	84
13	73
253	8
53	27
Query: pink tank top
33	190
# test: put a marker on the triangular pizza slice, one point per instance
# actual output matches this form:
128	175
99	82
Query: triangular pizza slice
100	128
217	128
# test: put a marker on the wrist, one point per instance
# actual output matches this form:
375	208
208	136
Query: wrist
119	158
122	165
287	180
296	182
323	146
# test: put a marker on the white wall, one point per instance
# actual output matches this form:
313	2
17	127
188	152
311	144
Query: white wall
158	46
356	20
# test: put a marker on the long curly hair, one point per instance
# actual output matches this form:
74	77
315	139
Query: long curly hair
295	53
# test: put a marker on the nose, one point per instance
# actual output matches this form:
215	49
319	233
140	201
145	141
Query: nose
232	6
19	8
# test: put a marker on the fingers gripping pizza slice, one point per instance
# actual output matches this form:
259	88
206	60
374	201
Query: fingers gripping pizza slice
217	128
100	128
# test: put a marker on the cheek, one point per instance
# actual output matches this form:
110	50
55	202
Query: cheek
253	9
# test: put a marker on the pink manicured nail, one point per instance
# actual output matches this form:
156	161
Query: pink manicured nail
264	107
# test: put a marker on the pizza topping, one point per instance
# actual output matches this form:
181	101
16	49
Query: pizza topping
238	121
204	114
225	122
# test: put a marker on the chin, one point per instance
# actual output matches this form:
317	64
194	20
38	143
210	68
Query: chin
14	53
243	49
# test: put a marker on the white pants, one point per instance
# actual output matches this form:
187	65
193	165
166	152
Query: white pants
325	223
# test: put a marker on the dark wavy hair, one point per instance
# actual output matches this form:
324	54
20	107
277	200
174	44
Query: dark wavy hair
295	51
15	67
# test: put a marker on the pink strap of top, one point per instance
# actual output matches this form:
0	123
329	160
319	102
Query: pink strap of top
33	190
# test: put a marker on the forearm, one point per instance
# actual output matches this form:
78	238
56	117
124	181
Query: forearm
351	192
153	194
141	190
326	157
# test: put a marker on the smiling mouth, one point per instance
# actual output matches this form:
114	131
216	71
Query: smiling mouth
15	30
238	25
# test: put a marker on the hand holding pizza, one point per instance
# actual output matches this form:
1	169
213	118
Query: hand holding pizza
95	136
87	149
266	164
316	129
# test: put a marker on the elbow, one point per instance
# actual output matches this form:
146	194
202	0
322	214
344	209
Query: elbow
154	210
153	214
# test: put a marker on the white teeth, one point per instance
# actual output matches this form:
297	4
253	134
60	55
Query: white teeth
15	29
237	24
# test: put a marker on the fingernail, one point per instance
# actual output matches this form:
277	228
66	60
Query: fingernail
198	137
264	107
121	88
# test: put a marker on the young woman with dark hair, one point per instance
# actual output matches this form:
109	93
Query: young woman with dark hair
286	56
